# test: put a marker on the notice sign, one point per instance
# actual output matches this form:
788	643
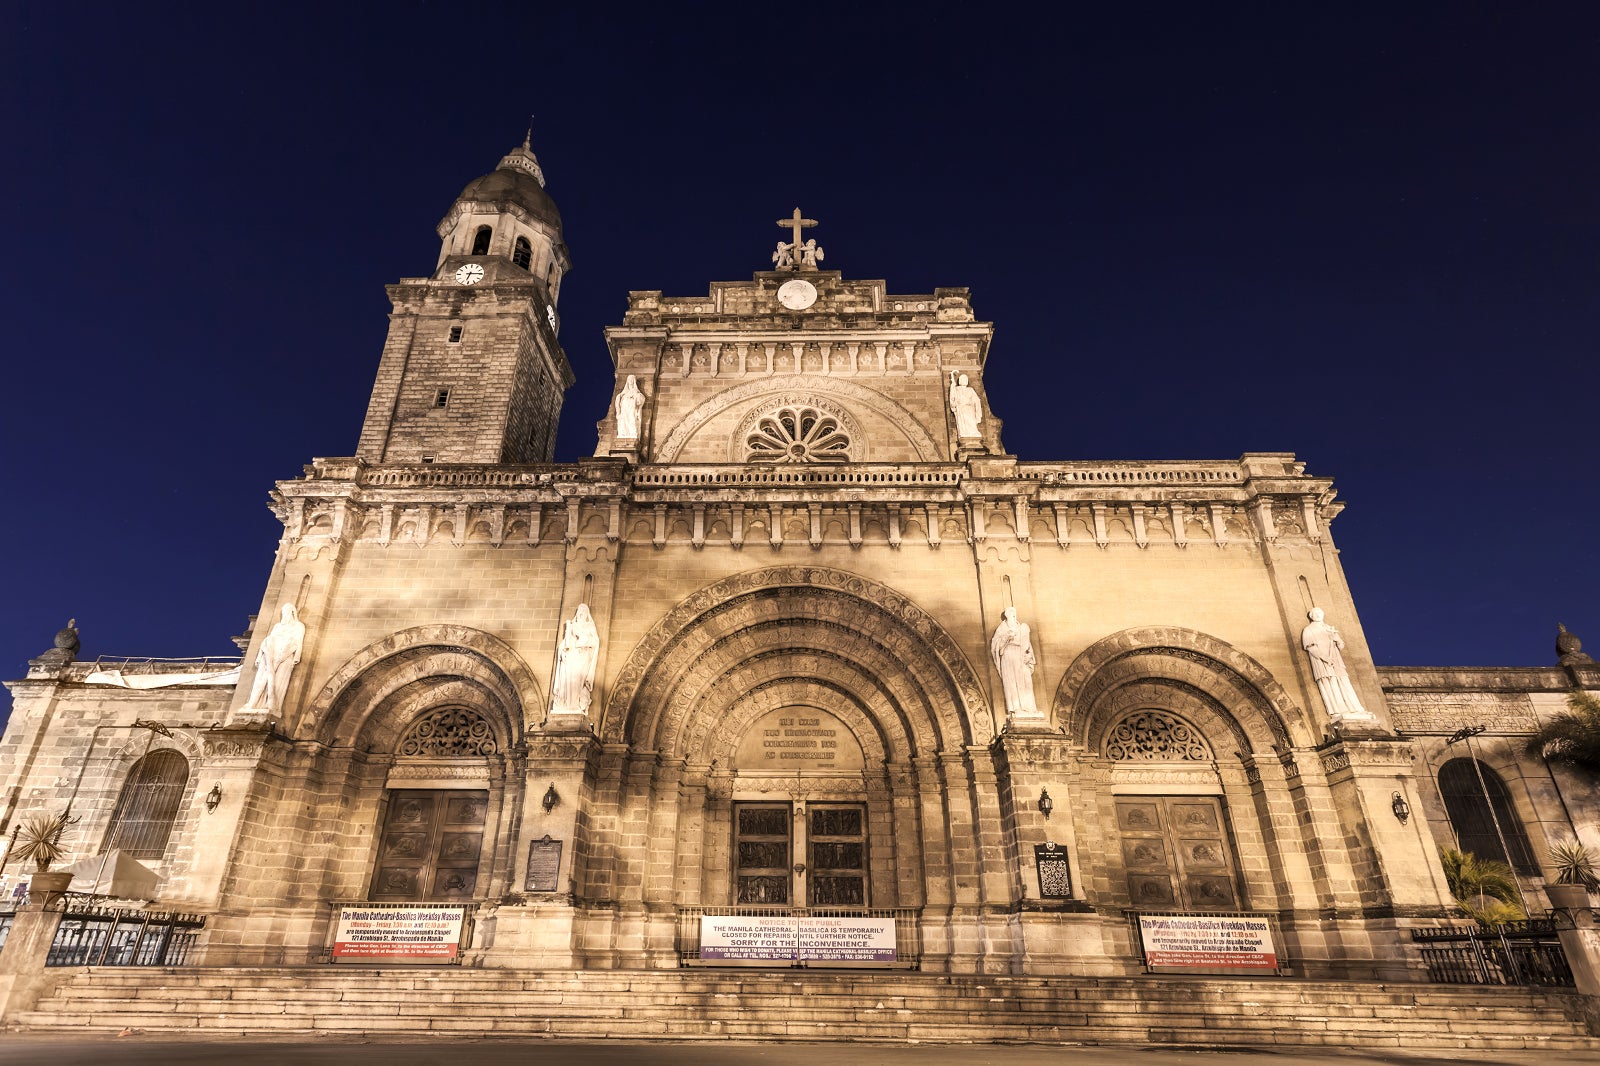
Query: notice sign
398	934
1198	943
729	938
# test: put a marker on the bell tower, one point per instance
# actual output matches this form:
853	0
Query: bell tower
472	371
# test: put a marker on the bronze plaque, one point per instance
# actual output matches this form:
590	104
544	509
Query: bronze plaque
544	865
1055	874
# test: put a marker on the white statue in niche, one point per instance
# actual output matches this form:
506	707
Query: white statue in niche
630	401
1323	643
1012	651
966	406
573	686
276	660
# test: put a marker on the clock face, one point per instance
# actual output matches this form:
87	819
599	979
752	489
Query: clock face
797	295
550	313
470	274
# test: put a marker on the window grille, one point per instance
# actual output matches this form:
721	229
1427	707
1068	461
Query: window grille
1464	802
142	822
522	255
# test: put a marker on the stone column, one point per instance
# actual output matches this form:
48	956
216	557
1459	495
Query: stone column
23	977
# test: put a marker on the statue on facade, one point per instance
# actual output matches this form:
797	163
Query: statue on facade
630	401
1012	651
783	258
573	686
1323	643
810	253
279	655
966	406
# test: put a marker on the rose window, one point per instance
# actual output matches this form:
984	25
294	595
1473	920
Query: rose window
1151	736
797	435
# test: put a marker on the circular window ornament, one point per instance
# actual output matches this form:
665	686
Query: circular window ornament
797	434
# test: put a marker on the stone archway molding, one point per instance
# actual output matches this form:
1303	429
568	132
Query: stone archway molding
801	387
381	670
945	653
1278	712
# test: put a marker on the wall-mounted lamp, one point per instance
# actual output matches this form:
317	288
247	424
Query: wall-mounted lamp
214	797
1402	809
1046	804
551	798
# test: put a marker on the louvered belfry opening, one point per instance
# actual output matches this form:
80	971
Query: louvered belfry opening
148	806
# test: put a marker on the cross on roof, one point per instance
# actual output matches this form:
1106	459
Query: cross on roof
796	224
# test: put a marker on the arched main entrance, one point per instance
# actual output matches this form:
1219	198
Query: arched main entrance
797	736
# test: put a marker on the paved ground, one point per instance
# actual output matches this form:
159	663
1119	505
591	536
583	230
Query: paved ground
70	1051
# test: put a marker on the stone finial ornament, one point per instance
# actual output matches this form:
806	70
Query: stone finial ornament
276	660
1011	647
64	648
573	686
1569	649
1324	645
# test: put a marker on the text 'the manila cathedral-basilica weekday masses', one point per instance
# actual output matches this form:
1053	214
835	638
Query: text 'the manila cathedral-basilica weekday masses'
800	639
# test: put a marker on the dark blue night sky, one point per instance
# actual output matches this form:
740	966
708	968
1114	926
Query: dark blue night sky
1364	236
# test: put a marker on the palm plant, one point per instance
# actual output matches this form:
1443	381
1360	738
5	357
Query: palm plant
1572	736
1574	865
1485	889
39	839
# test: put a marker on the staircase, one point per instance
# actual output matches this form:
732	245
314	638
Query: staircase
700	1005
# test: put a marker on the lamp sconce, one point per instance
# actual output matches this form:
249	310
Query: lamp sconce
551	798
214	797
1401	809
1046	804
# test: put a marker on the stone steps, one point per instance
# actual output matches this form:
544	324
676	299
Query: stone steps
860	1006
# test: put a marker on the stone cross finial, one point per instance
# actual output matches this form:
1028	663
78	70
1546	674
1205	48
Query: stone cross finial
795	253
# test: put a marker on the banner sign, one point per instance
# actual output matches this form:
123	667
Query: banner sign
1199	943
762	938
398	934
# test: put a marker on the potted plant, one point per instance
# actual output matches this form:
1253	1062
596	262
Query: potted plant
39	841
1485	889
1575	876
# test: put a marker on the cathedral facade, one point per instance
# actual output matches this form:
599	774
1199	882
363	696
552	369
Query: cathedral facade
800	637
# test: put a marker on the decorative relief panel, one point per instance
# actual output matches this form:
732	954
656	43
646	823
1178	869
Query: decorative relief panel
448	732
1153	736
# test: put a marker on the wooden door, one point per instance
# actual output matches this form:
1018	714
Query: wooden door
431	845
1176	854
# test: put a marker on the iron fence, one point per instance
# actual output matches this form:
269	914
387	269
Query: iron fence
94	933
907	933
1513	953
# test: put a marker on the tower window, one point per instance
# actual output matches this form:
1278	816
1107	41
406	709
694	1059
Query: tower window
480	242
427	458
522	255
455	334
441	398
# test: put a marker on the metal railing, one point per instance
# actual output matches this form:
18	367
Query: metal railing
105	934
907	933
1513	953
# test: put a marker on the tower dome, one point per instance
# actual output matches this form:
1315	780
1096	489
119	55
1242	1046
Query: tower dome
506	219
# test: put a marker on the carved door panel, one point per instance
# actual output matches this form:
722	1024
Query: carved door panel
1176	854
836	838
431	845
761	849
